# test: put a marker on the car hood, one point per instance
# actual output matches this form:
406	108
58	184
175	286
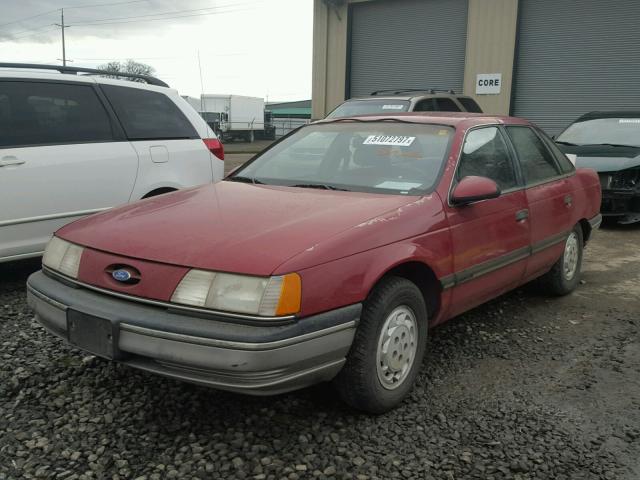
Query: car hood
603	158
230	226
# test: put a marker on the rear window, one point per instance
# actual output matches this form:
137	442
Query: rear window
446	105
40	113
147	115
354	108
470	104
365	156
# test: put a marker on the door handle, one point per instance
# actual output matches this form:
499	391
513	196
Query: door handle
568	200
522	215
9	161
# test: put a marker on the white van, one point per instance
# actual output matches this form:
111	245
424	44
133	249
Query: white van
73	143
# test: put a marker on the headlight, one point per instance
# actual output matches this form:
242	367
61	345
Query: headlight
263	296
62	256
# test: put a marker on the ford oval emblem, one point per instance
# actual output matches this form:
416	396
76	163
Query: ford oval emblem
121	275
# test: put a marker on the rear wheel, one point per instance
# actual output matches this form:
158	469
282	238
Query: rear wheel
388	348
564	276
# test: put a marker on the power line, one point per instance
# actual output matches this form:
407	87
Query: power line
14	35
48	12
217	7
155	19
89	5
29	18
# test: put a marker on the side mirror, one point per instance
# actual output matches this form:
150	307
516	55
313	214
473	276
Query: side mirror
474	189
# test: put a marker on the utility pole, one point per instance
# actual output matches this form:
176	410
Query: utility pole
62	27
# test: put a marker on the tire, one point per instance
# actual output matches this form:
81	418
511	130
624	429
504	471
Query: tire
564	276
360	383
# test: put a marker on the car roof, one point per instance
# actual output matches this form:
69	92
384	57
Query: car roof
461	120
610	114
26	74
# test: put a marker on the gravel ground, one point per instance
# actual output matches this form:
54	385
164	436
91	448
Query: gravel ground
524	387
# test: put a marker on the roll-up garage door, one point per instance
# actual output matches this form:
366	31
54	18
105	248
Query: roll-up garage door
576	56
407	44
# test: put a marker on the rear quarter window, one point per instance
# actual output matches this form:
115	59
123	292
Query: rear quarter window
470	104
148	115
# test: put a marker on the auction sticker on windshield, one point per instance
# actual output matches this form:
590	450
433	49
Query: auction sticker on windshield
393	107
389	140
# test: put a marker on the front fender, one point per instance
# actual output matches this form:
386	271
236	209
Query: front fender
349	280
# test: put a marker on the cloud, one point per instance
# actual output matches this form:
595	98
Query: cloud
35	21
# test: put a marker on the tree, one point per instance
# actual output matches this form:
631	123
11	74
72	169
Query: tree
130	66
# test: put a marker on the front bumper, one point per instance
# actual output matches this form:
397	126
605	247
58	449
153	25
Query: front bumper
620	203
259	360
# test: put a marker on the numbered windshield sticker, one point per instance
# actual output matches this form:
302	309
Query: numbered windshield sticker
389	140
393	107
629	120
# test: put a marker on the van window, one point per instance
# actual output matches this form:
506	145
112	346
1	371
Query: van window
147	115
40	113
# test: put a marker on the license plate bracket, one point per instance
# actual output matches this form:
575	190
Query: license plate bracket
93	334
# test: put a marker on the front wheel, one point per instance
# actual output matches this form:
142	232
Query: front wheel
564	276
388	348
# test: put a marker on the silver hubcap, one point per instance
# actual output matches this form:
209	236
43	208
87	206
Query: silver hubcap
397	347
571	256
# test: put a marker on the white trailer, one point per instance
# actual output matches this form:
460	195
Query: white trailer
234	116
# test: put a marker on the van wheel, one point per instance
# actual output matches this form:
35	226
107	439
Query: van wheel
564	276
388	348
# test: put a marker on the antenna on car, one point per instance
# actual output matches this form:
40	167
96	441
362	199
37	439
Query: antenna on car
90	71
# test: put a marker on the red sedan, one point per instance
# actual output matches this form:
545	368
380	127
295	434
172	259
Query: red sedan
325	257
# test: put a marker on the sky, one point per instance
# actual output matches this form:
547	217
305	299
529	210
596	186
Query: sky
260	48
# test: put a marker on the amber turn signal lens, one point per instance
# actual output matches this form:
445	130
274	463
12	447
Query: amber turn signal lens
290	295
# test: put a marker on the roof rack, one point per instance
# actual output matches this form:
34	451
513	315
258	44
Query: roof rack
396	91
92	71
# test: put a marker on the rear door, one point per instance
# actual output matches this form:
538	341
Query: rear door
549	192
490	238
172	153
62	156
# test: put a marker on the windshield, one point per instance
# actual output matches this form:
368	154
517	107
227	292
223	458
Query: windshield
618	131
353	108
383	157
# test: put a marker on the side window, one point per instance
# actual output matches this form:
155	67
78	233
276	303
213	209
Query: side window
537	162
470	104
39	113
565	164
424	106
446	105
485	154
147	115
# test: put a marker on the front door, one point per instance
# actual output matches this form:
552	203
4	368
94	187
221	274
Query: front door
491	238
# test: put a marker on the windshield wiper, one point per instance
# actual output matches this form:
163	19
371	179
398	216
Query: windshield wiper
240	178
318	185
568	143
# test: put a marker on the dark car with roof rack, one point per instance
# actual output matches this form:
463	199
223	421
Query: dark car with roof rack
388	102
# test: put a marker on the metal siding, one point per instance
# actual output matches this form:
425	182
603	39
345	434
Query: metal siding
576	56
407	43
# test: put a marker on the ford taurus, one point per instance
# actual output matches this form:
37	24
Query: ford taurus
326	257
